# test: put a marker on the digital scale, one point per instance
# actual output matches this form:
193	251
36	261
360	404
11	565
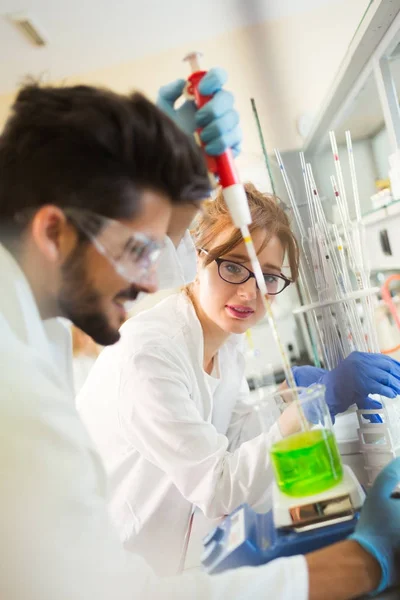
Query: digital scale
293	526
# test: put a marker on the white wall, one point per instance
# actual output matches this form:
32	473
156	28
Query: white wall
253	168
287	65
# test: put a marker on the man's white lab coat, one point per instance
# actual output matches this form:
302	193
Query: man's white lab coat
55	537
171	436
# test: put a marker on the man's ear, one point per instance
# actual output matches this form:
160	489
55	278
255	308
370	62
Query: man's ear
49	229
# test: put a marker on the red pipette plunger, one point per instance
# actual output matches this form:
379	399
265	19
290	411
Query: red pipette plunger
222	166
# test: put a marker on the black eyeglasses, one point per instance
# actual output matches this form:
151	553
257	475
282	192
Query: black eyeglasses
235	273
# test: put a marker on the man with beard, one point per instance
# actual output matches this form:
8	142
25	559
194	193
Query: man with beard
89	184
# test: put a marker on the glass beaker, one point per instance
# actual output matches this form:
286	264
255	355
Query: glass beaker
306	460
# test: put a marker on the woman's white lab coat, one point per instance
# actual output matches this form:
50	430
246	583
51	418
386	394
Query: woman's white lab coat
171	436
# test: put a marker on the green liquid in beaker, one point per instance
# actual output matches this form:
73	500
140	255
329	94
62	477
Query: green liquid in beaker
307	463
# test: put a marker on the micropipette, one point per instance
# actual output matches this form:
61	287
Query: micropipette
235	197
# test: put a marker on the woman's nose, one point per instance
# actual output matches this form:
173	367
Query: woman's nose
248	289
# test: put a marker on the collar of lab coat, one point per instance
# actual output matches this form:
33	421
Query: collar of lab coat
194	330
177	266
20	313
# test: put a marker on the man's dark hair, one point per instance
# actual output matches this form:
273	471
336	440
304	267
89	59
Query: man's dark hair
90	148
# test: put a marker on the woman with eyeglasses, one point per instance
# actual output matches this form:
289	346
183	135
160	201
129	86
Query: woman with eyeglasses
168	406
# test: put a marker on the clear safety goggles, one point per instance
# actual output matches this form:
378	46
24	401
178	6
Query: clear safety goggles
132	254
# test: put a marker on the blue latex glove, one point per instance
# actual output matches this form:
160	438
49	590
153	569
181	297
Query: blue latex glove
308	375
218	119
378	530
357	376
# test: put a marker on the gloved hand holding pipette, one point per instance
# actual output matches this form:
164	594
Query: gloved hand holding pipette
357	376
218	119
380	536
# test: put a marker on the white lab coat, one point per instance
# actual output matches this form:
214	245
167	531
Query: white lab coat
171	436
177	266
56	541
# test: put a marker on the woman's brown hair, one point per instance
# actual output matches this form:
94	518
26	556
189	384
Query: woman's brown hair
266	214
